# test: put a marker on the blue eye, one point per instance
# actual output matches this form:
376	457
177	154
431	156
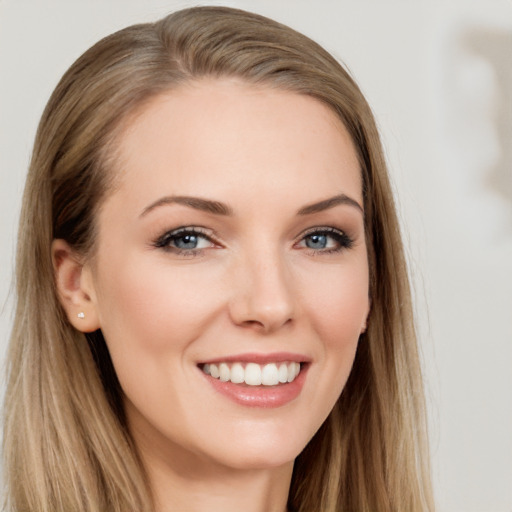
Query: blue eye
184	241
317	241
325	240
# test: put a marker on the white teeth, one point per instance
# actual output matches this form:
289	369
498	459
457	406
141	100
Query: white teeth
214	371
253	374
283	373
224	372
237	373
269	375
291	372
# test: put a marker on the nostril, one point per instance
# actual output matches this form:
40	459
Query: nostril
266	325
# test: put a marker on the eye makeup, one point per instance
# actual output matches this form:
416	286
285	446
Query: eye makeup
325	240
185	241
191	241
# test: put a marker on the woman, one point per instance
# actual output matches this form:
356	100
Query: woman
213	305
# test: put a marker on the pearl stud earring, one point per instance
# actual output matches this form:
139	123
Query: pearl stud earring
81	314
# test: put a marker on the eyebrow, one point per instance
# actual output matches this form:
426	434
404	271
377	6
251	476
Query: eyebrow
218	208
198	203
331	202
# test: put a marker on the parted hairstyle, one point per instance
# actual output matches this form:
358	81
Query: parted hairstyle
66	444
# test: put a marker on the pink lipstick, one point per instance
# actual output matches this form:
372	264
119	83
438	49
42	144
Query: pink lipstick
258	380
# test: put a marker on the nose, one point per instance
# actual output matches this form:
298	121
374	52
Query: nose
263	297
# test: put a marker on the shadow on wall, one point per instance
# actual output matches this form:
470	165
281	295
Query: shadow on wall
495	47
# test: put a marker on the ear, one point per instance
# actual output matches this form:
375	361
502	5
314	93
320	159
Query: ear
74	287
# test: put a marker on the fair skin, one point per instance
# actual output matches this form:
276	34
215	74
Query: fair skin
256	269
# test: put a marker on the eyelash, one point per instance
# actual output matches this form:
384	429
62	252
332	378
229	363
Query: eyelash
341	239
164	241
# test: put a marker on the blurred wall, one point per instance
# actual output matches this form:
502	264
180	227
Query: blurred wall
438	74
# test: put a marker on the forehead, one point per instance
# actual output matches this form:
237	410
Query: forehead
217	133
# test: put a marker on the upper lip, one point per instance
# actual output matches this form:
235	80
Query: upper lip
274	357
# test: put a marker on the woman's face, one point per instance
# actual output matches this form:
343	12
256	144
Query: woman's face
232	251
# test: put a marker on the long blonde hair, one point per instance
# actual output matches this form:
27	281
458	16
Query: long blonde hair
66	444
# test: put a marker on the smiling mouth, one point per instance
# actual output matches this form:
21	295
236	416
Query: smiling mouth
253	374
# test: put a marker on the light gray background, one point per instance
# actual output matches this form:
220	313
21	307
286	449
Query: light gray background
438	74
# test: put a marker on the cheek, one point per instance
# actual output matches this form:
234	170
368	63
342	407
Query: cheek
338	302
151	319
338	311
153	307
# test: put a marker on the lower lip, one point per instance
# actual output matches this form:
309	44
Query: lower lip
260	396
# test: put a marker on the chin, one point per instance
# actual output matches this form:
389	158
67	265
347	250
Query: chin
263	451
